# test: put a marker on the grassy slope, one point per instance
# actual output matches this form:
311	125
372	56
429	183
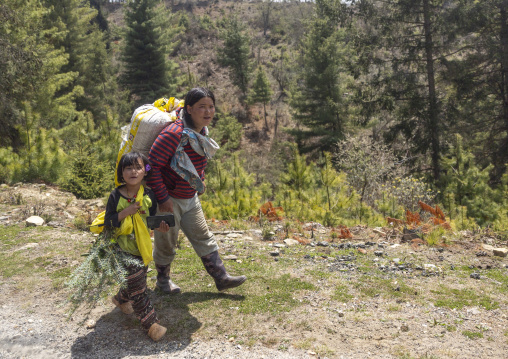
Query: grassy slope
302	298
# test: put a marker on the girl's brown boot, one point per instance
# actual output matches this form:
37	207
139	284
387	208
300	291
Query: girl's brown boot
156	332
124	307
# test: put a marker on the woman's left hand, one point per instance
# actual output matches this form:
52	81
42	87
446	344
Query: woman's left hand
164	227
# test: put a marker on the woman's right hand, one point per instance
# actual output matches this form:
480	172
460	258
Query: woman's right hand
166	206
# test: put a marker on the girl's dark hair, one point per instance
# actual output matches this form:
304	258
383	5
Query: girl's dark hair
191	98
131	159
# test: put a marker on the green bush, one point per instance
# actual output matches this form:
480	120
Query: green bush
88	176
41	159
231	193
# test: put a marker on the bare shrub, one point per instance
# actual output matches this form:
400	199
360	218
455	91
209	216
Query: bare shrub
368	165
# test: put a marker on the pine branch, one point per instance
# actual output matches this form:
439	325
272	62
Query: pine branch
105	265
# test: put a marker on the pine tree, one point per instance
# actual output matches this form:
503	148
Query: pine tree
168	24
82	42
31	68
144	62
406	41
19	64
261	91
329	178
283	72
468	185
296	180
231	192
235	53
319	99
479	77
101	17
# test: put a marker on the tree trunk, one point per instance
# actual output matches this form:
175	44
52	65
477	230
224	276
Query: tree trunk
501	156
264	110
432	122
276	123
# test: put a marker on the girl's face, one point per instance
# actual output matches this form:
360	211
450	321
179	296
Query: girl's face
134	174
202	113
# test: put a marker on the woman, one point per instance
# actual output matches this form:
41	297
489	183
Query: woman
179	157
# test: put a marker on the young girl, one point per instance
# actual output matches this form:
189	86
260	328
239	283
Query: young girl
126	212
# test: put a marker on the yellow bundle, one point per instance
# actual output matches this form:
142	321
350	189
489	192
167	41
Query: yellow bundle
146	123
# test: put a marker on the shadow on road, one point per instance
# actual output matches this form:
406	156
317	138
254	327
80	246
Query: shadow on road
117	335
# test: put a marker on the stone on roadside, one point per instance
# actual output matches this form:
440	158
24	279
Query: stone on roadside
233	235
323	244
500	252
55	224
474	311
379	231
90	324
430	267
290	242
34	221
27	246
231	257
488	247
362	251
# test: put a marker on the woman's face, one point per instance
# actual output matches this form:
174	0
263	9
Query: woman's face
202	113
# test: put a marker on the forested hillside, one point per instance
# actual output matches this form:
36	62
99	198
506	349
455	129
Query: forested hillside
339	113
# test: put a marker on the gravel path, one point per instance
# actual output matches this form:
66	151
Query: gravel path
35	335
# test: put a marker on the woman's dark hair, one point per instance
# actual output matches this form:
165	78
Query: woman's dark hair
191	98
131	159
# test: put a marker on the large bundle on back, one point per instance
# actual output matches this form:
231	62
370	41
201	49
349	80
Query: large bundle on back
147	122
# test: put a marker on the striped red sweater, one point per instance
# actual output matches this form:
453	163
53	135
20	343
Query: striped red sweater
165	182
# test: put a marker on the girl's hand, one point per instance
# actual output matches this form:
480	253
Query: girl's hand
164	227
132	209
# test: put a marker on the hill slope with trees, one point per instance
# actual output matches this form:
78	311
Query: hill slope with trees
350	108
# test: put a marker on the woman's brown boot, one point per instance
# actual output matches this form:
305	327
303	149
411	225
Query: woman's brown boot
164	282
156	332
215	267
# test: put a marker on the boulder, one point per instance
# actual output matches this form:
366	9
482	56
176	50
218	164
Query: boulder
34	221
500	252
488	247
291	242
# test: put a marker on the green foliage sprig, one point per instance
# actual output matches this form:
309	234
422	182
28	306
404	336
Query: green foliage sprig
105	265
